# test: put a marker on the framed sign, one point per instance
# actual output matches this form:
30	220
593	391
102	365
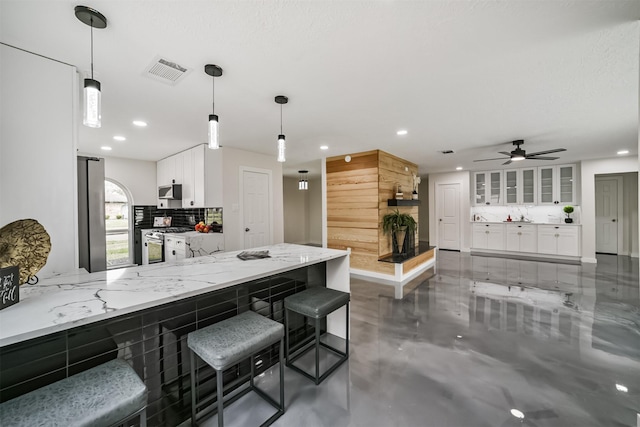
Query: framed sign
9	286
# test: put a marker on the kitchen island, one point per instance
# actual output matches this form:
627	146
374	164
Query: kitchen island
69	322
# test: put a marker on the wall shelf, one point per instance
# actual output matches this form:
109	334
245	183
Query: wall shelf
395	202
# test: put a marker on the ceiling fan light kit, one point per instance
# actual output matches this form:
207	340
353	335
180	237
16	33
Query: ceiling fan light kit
92	115
518	154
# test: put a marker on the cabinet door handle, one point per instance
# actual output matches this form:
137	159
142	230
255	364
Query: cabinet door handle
613	220
519	226
487	203
556	227
173	252
486	225
191	203
246	229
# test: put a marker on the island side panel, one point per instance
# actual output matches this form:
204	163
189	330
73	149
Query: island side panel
338	278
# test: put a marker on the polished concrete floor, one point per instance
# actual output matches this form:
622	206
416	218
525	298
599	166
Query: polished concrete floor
480	342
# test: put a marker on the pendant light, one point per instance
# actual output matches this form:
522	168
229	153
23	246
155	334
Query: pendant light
92	96
303	183
281	99
214	139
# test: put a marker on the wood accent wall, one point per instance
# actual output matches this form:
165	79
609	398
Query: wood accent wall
357	194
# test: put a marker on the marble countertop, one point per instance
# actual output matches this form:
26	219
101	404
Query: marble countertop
525	223
69	300
187	234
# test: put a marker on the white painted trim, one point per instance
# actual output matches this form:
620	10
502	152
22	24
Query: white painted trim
74	153
269	173
588	260
130	228
323	180
634	254
620	209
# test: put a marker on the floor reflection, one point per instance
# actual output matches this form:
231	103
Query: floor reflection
486	342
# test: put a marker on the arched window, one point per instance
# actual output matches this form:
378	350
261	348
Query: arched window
117	212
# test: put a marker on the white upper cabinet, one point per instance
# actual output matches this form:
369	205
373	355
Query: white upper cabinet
201	176
520	186
557	185
488	188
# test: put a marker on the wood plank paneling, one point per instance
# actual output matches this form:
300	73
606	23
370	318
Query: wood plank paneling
415	262
357	193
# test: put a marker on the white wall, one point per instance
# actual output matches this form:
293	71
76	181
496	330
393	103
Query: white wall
315	211
302	212
233	159
138	176
39	106
296	212
461	178
589	170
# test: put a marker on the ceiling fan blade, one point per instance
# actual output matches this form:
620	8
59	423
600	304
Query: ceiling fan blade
484	160
541	158
505	153
557	150
508	397
508	162
542	414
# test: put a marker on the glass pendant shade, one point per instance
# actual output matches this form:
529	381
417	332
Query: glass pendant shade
92	104
281	148
214	140
303	183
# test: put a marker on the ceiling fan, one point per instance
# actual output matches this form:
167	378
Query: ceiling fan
519	154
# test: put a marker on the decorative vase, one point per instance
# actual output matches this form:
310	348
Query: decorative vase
568	220
398	237
414	195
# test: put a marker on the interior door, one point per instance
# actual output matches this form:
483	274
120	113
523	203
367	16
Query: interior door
255	209
448	210
607	215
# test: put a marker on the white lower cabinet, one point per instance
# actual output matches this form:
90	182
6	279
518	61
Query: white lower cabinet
562	240
488	236
522	238
174	248
559	240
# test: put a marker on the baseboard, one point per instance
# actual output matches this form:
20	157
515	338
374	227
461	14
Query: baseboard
585	260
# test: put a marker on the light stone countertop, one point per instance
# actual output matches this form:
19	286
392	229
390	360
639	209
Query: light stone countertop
525	223
69	300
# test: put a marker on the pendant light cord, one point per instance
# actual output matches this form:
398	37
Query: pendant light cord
280	119
92	48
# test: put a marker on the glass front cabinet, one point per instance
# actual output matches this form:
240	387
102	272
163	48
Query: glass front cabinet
488	188
520	186
556	184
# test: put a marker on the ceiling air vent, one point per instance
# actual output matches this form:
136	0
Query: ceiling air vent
166	71
447	152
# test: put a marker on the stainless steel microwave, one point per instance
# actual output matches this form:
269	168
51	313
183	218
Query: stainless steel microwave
170	192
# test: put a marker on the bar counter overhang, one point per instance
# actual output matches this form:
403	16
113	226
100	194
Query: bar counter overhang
69	321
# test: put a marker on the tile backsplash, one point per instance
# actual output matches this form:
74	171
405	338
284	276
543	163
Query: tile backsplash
143	216
538	214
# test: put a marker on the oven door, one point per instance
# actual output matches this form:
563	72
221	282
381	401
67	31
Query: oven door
152	250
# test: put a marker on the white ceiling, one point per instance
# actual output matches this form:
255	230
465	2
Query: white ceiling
469	76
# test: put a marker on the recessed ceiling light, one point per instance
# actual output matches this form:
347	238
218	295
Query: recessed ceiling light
622	388
516	413
623	152
105	148
140	123
402	132
459	168
119	138
324	147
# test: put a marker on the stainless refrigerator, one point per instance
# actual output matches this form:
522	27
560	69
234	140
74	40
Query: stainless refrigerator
92	241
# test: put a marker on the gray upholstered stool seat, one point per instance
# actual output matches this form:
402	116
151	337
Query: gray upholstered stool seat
317	303
230	341
105	395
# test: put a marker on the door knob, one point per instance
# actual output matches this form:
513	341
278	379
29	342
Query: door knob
613	220
246	229
441	220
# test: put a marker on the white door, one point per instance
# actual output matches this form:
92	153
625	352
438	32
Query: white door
607	215
448	209
255	209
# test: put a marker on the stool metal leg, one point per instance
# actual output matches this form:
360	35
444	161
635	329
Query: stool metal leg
317	379
347	331
286	334
220	397
253	368
282	374
194	389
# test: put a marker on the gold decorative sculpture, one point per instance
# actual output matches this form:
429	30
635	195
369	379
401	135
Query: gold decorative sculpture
27	244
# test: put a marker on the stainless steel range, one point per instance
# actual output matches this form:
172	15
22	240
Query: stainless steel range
153	243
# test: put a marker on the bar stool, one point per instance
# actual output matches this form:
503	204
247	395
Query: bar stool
106	395
316	303
226	343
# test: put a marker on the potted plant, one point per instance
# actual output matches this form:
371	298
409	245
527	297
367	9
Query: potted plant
398	225
568	210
